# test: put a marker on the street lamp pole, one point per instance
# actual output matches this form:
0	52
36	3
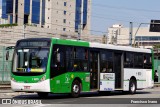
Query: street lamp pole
130	33
136	34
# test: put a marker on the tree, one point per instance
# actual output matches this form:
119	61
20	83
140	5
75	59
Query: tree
156	46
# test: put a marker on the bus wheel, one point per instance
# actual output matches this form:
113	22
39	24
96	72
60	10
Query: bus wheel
42	94
132	86
75	91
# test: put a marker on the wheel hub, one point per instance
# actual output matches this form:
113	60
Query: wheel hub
75	88
133	87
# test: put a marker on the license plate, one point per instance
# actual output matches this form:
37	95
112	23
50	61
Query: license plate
27	87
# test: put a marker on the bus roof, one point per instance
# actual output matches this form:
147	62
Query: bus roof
121	48
32	39
90	44
108	46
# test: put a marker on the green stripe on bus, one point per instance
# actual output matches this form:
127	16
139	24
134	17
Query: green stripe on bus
70	42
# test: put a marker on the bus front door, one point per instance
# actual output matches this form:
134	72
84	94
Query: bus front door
94	69
118	70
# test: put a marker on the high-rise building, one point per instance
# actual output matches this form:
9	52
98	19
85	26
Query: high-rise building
2	21
7	9
63	15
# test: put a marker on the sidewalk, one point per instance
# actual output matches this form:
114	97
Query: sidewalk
156	84
5	86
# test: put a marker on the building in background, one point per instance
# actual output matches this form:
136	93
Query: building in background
113	34
7	8
119	35
65	19
62	15
0	15
2	21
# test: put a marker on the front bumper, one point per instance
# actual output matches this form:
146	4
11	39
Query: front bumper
43	86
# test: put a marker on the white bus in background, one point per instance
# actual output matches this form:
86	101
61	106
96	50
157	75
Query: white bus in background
124	68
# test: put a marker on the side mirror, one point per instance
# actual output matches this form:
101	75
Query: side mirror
7	55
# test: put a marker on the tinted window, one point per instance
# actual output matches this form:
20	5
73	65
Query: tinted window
138	60
128	60
58	56
58	60
147	61
77	59
106	61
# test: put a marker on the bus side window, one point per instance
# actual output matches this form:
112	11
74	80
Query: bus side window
69	58
147	61
80	59
106	62
55	57
128	60
138	60
76	59
144	60
86	54
58	57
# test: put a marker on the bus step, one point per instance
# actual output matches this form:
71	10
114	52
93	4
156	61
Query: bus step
94	90
118	89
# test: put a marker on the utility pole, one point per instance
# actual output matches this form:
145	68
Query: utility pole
80	26
136	34
130	33
138	30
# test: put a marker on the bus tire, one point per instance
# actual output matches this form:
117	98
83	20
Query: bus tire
132	86
75	89
42	94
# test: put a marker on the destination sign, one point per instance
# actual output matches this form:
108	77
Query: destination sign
34	44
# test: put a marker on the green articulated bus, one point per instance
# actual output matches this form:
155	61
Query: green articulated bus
51	65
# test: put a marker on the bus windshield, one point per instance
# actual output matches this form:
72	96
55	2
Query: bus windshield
30	60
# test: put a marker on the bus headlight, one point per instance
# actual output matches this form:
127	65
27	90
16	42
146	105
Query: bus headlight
13	79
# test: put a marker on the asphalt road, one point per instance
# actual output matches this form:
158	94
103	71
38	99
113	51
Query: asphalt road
146	98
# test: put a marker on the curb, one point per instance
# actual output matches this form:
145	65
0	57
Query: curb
5	87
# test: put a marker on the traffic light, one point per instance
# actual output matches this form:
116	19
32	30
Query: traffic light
155	26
